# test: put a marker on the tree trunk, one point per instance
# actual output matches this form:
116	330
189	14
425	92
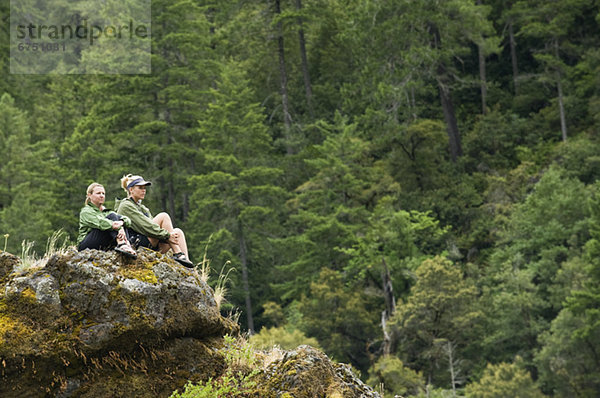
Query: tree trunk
171	191
513	56
482	79
185	211
387	339
446	100
305	72
170	165
482	75
246	285
390	306
561	108
450	352
287	118
561	105
449	117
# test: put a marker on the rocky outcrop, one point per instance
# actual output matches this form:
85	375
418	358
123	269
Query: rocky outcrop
306	373
94	324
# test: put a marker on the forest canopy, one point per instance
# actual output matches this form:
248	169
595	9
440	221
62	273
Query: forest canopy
410	184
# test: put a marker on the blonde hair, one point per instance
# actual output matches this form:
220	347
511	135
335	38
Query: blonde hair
126	180
90	190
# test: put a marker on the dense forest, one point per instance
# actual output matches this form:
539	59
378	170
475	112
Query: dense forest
411	185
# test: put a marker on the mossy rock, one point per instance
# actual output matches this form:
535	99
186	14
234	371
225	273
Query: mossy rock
308	373
7	264
92	323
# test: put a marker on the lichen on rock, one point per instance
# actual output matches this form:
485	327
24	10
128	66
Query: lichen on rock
94	324
86	321
306	372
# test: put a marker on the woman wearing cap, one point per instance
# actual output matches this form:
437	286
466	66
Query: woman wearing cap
100	228
157	232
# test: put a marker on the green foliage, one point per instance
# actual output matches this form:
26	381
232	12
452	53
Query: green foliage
587	83
512	313
237	201
238	353
505	380
579	158
396	240
14	142
523	289
282	337
226	386
567	360
26	217
494	141
551	222
237	379
330	208
27	196
440	309
339	318
397	380
414	155
363	177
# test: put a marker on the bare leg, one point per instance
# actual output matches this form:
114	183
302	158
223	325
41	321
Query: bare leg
162	246
182	242
164	221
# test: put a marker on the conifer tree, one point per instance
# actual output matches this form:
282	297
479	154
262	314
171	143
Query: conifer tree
558	29
27	197
521	289
145	124
14	140
330	208
237	200
421	62
568	359
439	310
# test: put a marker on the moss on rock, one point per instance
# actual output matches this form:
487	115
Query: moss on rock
91	324
307	373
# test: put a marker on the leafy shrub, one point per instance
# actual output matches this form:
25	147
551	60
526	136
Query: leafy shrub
282	337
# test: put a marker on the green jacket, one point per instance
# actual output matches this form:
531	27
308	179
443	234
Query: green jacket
141	219
91	217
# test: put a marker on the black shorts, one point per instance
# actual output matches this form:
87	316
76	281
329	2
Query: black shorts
139	240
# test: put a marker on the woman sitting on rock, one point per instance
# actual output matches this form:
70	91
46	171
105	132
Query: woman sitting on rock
156	233
100	228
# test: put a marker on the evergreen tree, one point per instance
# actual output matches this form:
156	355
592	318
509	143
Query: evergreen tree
419	64
28	206
146	124
238	200
521	289
330	208
386	256
14	140
342	319
503	381
557	26
439	311
568	360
